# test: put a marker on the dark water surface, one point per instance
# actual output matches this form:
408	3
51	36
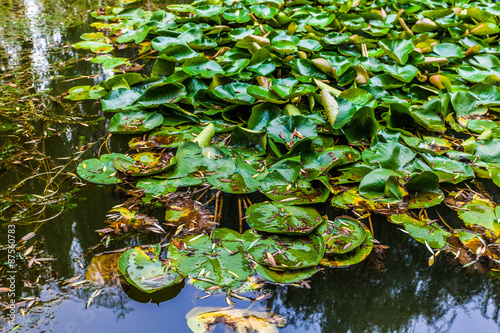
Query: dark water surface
405	295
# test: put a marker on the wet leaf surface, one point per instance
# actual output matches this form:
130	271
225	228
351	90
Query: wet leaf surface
277	218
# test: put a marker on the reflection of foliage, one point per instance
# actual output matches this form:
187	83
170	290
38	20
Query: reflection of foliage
358	299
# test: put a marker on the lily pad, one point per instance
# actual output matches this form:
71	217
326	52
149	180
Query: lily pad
278	218
142	164
301	192
284	252
353	257
233	176
135	122
480	213
342	235
143	268
99	171
286	276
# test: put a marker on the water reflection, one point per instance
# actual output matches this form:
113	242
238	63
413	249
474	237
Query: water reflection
407	297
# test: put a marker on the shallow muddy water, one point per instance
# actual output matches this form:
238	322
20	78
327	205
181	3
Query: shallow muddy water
403	294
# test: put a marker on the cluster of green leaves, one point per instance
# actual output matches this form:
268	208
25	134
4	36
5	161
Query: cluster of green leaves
375	105
226	259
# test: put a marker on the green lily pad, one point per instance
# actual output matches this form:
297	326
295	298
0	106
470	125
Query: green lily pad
404	73
424	191
80	93
449	170
277	218
143	268
119	99
219	261
342	235
382	183
99	171
134	122
284	252
142	164
423	231
235	93
480	213
165	93
286	276
157	187
301	192
264	11
94	46
353	257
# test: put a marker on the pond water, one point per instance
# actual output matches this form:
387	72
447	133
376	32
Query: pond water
399	294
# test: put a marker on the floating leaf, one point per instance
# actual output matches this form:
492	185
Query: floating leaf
277	218
480	213
284	252
134	122
142	268
99	171
423	231
286	276
233	176
142	164
342	235
356	256
202	319
211	262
